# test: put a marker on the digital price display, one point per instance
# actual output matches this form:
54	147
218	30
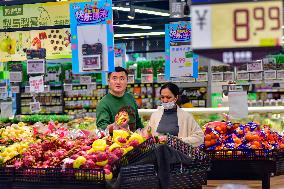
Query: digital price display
237	25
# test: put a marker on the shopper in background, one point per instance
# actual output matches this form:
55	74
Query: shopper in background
171	119
116	101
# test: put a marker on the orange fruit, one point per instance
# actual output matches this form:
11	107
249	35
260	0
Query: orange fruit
207	137
207	143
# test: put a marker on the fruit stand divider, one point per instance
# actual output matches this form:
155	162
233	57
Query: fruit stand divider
246	164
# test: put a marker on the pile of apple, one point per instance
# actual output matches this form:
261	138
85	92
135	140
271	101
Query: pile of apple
104	152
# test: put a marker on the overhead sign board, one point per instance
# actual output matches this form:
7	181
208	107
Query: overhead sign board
245	26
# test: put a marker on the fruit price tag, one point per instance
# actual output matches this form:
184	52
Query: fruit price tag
36	84
243	76
147	78
255	66
3	89
92	86
85	79
16	77
228	76
161	78
217	76
15	89
131	79
280	74
67	87
269	74
202	76
36	66
35	107
255	76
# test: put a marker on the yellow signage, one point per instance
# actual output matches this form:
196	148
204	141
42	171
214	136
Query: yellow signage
233	25
35	15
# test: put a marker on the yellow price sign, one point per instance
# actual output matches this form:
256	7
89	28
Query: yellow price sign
236	25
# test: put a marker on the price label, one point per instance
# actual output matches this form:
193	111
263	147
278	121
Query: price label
27	89
229	76
67	87
202	76
35	107
15	89
241	24
147	78
269	74
92	86
280	74
255	66
243	76
255	76
36	66
36	84
131	79
85	79
15	77
188	79
217	76
161	78
3	89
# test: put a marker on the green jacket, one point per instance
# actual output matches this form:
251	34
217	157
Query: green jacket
110	105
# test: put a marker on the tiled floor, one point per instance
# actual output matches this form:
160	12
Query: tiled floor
276	182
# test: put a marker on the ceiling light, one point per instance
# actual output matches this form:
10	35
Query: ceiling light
139	34
134	26
142	11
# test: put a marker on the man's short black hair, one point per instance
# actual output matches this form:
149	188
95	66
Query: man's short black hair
118	69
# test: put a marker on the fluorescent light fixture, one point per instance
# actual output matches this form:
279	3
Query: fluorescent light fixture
142	11
134	26
138	34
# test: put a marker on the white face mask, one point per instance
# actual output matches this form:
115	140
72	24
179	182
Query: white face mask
169	105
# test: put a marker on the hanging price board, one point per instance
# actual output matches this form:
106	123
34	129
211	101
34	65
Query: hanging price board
36	66
249	30
228	76
36	84
269	74
16	77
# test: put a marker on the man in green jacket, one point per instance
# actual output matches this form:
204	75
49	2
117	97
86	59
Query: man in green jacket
116	101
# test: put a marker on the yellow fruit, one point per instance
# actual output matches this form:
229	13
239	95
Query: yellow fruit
102	163
108	176
78	162
120	133
114	146
136	136
99	145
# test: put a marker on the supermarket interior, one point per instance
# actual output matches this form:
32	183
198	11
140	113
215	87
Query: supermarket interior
152	94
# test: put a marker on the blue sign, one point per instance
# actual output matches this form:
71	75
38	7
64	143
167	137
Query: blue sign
92	37
180	60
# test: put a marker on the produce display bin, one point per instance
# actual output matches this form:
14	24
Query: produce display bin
192	175
245	164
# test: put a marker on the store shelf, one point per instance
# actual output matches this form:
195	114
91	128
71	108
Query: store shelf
200	111
42	94
81	98
269	90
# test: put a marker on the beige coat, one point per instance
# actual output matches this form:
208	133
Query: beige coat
189	130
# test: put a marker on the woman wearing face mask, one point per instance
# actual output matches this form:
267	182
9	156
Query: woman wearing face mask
170	119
